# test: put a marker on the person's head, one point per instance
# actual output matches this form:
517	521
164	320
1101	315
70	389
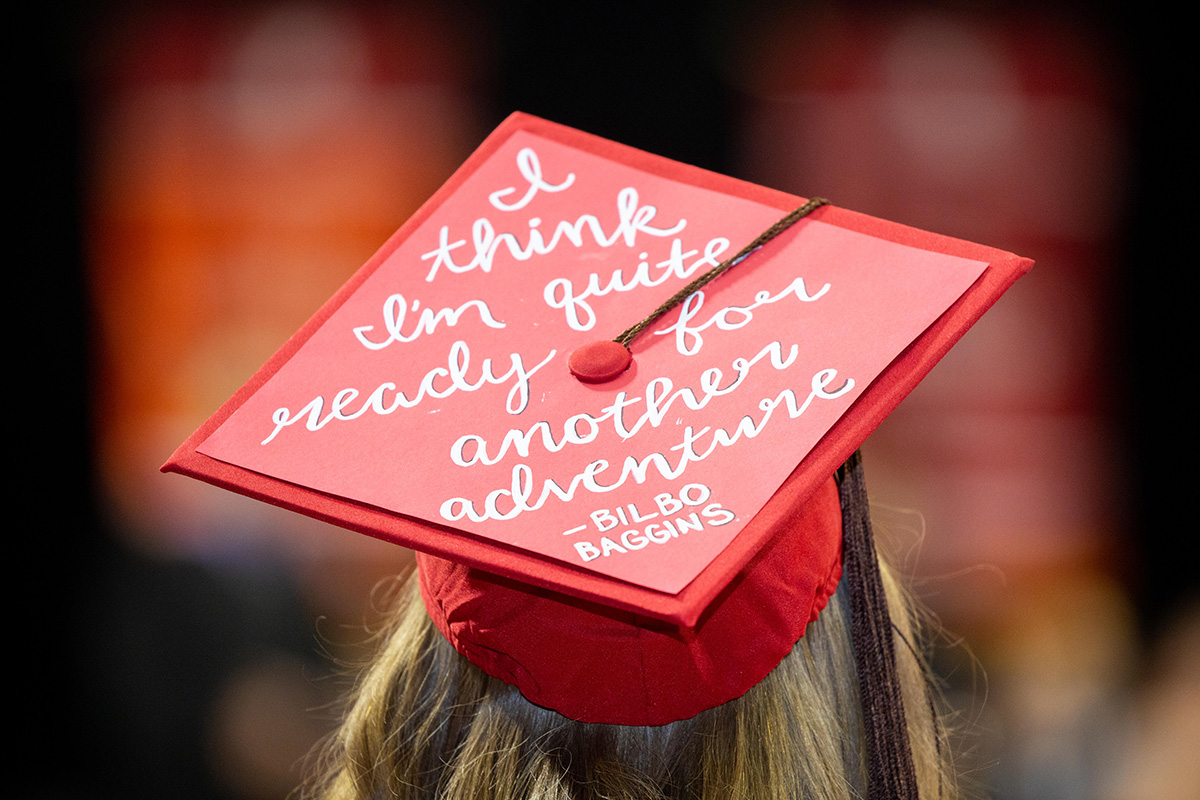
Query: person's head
427	723
619	557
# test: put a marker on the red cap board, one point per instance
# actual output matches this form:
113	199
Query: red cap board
431	403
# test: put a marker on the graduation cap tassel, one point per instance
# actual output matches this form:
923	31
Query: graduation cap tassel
788	220
597	362
890	771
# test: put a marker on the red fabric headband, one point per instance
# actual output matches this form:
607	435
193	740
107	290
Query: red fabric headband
595	664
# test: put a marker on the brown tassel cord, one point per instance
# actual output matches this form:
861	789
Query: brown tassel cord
631	333
890	771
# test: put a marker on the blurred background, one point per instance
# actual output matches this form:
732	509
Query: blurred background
207	174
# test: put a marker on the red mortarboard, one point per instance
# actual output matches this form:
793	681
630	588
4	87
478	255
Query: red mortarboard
630	551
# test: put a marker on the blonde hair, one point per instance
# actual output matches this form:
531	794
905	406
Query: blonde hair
426	724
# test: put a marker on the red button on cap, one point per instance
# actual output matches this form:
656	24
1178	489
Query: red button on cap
598	362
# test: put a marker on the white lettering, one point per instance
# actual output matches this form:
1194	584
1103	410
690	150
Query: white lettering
639	470
396	307
531	170
633	539
587	551
718	516
439	382
609	546
561	292
632	219
604	519
659	399
688	340
667	503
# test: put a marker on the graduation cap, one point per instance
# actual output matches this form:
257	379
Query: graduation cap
629	533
